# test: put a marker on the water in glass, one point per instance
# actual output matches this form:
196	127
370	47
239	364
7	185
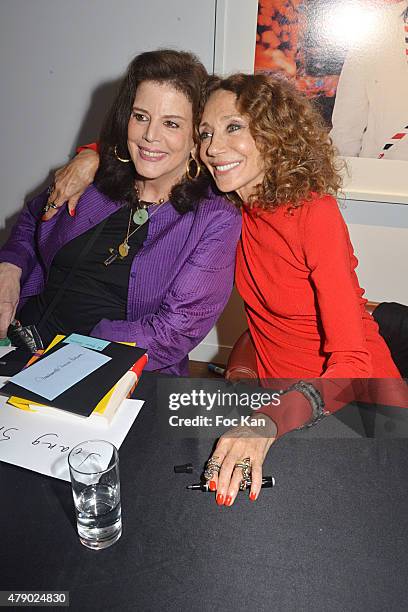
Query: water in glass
99	519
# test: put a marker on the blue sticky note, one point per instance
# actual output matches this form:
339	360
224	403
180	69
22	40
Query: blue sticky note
95	344
59	371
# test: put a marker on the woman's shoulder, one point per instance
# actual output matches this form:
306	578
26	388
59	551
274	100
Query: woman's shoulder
319	220
320	209
93	193
94	199
323	228
319	201
214	203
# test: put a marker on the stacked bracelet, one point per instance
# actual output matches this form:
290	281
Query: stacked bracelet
314	398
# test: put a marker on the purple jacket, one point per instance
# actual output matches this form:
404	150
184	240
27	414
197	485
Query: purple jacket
179	281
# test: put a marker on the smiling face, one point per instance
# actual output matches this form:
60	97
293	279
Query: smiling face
228	148
160	134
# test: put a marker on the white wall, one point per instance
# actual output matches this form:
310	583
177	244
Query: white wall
235	36
59	63
379	233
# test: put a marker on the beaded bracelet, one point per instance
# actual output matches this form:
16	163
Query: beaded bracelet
314	398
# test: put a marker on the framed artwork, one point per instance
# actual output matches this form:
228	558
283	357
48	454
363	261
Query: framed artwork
351	58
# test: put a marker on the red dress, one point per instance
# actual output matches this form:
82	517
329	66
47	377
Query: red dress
295	271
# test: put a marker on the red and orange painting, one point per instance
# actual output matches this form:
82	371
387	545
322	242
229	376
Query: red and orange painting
351	58
290	41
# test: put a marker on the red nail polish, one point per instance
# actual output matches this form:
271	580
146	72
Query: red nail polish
72	212
228	500
252	496
220	499
43	218
212	486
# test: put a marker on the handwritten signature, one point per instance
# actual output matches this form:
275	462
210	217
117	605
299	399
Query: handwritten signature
58	368
50	441
5	433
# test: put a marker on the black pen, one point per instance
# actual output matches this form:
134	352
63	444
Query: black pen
267	483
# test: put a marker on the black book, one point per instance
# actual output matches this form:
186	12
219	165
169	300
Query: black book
82	397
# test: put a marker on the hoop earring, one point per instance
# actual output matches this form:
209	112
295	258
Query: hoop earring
121	159
188	170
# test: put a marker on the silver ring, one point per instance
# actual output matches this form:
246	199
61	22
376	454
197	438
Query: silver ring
48	206
244	463
212	467
243	484
245	466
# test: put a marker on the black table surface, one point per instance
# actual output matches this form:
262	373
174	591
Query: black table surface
331	535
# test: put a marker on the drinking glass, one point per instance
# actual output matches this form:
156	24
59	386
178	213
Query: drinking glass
94	470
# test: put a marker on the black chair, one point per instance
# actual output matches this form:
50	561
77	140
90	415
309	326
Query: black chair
392	319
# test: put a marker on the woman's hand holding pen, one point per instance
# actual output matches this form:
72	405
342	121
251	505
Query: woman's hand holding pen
236	445
71	181
9	294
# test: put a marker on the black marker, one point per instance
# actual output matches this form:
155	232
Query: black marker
267	483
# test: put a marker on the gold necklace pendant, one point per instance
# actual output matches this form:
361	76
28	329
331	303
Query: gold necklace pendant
142	216
123	249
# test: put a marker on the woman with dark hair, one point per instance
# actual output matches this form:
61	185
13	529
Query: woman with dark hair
151	245
262	140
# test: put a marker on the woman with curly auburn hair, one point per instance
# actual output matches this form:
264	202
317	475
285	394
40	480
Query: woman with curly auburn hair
263	141
298	158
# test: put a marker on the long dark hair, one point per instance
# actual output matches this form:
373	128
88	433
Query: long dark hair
184	72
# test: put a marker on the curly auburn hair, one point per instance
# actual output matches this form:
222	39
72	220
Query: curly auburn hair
183	71
290	134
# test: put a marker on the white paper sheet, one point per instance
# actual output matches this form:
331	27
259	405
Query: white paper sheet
41	443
